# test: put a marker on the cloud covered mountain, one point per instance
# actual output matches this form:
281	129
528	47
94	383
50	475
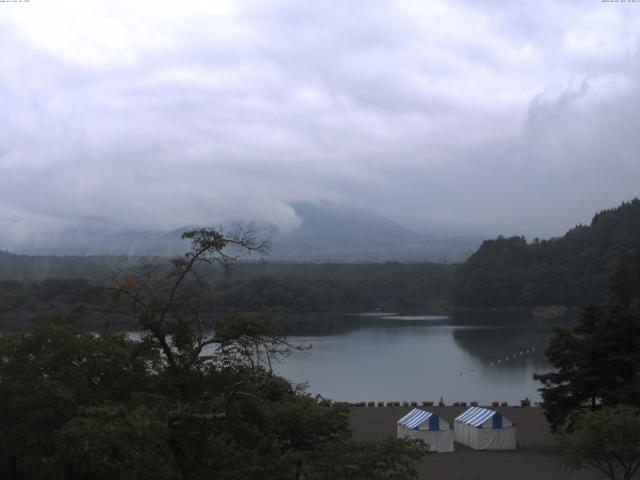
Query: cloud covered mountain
331	232
326	232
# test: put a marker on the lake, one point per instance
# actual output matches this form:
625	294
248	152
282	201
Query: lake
470	356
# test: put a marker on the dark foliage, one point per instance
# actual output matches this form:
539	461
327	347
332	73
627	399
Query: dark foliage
178	404
598	361
607	440
289	292
571	270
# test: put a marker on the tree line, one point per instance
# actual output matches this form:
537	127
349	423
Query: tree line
179	403
571	270
289	292
592	398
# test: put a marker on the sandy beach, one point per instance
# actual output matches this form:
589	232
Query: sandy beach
536	459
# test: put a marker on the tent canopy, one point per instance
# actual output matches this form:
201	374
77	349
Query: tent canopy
428	427
418	419
478	417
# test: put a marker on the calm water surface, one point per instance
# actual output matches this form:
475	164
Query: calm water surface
466	357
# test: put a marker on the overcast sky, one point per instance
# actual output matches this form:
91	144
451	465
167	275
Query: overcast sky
449	117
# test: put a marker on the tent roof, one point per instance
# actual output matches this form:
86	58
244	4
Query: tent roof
475	416
415	418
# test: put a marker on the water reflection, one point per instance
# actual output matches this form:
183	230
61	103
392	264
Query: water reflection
424	357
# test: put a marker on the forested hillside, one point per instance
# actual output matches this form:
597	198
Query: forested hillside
77	285
571	270
178	403
41	267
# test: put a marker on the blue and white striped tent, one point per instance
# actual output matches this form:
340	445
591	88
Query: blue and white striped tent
427	426
484	429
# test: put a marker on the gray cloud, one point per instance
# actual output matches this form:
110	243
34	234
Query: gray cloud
465	117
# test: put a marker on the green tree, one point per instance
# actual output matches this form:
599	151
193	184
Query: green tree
115	442
48	375
569	270
179	404
597	362
390	459
607	440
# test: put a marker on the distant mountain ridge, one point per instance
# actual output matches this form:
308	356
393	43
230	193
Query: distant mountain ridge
569	270
331	232
328	232
330	220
